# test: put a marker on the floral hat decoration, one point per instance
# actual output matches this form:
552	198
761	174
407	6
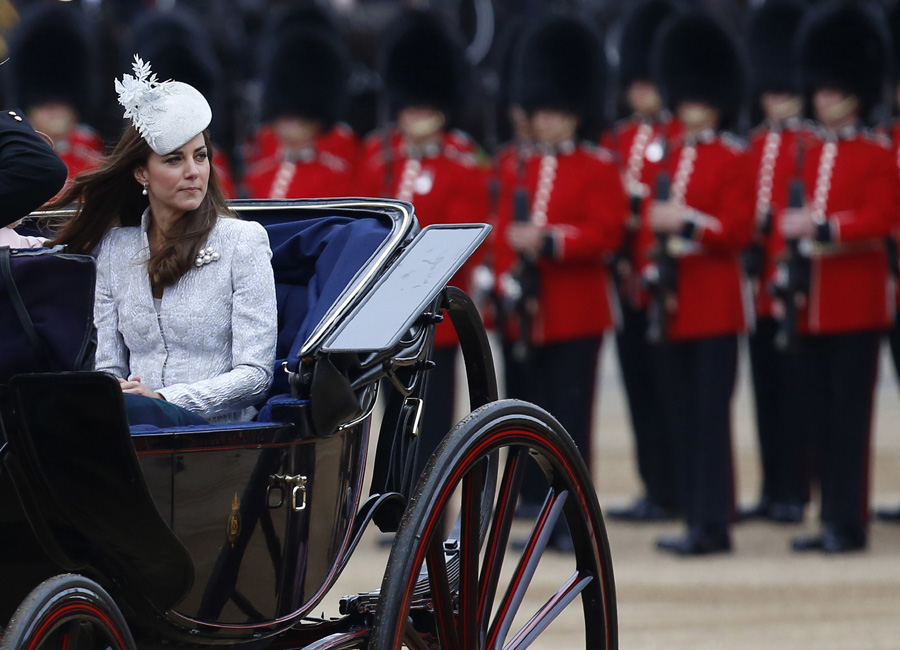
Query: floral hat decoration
167	114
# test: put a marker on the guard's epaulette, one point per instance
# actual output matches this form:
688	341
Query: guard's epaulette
756	130
461	136
878	137
465	158
732	141
623	123
596	151
343	128
335	163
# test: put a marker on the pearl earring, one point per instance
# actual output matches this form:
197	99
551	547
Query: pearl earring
144	192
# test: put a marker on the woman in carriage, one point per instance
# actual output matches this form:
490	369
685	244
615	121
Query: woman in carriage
198	339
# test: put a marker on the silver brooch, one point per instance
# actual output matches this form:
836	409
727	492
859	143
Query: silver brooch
205	256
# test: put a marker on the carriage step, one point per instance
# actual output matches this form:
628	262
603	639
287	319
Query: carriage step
367	602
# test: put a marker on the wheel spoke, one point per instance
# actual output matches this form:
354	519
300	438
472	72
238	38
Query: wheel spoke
531	556
495	547
411	638
549	612
441	594
470	544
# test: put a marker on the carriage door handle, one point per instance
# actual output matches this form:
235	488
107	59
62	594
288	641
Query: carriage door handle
298	491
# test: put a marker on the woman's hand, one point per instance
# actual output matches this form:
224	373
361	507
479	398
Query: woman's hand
135	387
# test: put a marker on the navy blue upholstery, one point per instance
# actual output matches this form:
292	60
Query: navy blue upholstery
314	260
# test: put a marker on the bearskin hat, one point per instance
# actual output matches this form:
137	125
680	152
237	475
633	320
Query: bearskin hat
844	46
424	64
771	34
893	21
178	48
53	58
695	59
560	65
639	28
306	76
310	15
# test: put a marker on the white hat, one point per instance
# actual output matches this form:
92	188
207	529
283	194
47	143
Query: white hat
167	114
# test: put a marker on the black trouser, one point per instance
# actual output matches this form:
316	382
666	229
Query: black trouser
637	359
839	383
894	340
440	394
780	424
561	378
698	379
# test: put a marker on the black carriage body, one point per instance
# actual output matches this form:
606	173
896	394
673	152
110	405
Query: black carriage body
230	532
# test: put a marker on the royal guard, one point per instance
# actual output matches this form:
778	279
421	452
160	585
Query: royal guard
560	217
421	160
777	145
638	142
699	218
53	61
179	48
892	514
306	151
850	208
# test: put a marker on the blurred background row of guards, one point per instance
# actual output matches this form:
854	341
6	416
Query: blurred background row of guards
245	55
480	111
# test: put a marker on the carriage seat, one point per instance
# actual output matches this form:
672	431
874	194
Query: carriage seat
313	260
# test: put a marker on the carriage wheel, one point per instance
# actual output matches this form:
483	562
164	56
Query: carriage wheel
476	591
67	612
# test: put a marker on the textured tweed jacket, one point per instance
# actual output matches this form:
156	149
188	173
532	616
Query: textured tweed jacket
211	347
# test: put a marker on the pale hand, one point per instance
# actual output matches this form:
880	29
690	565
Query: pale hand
797	223
135	387
666	217
525	238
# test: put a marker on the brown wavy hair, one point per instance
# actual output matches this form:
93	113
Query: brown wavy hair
109	196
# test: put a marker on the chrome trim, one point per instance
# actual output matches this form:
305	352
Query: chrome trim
352	293
367	411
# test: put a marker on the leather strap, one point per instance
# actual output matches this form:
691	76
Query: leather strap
9	283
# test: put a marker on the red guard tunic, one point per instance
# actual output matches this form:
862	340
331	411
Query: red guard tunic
850	288
82	150
444	182
718	184
322	170
339	140
223	171
638	146
585	212
894	135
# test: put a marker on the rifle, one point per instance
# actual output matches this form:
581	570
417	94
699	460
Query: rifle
754	255
793	272
665	283
620	263
524	276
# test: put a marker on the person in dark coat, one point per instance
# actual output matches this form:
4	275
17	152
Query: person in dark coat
30	171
